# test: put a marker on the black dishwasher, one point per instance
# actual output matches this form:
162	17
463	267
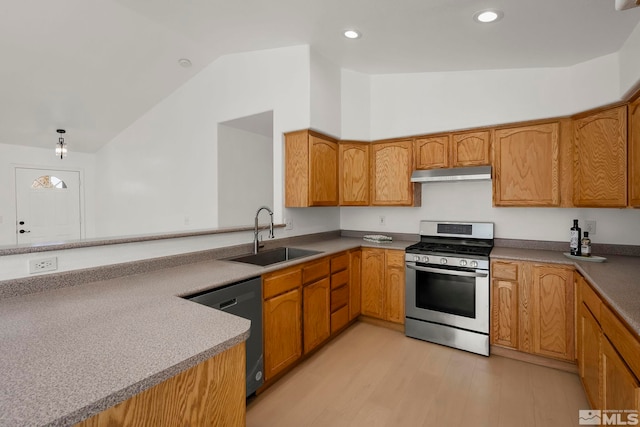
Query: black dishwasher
244	299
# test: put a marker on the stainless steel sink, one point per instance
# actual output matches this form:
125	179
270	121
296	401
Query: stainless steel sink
274	256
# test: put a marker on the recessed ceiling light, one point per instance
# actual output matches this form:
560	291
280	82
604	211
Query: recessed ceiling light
184	62
351	34
486	16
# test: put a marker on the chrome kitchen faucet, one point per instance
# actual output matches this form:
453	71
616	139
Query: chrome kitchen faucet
256	242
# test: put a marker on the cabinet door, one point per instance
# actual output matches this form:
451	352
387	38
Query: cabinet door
323	176
354	174
553	311
394	286
589	338
391	168
432	152
470	149
600	159
317	315
620	388
526	166
355	260
373	292
282	331
634	153
504	313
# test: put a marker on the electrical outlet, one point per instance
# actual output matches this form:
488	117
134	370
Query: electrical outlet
41	265
590	226
383	220
288	224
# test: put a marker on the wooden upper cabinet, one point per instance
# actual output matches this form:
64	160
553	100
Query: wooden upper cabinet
432	152
452	150
311	169
634	153
526	166
470	149
391	168
600	159
353	160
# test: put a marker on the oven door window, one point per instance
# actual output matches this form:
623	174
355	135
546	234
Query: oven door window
446	293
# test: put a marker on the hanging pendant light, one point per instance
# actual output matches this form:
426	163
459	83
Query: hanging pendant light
61	146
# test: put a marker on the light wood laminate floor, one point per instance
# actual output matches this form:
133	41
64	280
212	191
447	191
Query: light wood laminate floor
373	376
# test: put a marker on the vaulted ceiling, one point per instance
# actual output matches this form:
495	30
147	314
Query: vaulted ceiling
93	67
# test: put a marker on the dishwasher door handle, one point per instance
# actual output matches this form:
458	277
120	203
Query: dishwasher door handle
228	304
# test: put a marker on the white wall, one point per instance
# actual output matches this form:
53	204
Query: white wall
325	95
16	155
245	162
175	143
629	63
471	201
356	105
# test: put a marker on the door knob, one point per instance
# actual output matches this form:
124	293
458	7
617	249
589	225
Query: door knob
25	231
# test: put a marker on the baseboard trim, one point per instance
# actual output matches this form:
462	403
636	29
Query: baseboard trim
382	323
532	358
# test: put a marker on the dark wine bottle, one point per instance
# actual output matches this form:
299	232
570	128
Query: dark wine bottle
575	239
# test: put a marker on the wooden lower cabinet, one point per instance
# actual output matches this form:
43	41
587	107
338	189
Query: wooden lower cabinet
373	294
395	286
608	358
316	301
383	284
211	393
620	388
532	308
282	331
589	339
553	311
355	280
504	314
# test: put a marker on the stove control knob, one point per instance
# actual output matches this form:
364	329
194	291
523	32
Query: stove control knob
416	258
463	262
443	260
425	259
474	264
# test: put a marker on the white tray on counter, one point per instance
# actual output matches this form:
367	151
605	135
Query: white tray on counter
591	258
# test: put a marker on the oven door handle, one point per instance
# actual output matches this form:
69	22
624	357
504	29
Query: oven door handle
449	272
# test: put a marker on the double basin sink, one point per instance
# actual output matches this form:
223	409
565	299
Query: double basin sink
273	256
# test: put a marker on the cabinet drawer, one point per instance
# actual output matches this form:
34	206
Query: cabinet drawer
339	279
340	262
622	339
504	270
313	272
339	319
339	298
280	282
590	298
395	258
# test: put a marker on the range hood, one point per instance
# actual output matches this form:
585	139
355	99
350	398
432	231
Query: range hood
474	173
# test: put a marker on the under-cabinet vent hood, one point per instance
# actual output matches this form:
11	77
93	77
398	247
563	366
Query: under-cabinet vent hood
475	173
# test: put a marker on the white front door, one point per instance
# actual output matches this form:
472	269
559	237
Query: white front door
47	205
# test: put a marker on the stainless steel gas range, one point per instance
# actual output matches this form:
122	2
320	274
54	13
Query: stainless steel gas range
447	295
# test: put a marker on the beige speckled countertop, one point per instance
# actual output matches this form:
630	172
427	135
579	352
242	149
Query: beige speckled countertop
617	279
70	353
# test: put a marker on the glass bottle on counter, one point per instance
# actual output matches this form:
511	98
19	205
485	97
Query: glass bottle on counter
586	245
575	239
